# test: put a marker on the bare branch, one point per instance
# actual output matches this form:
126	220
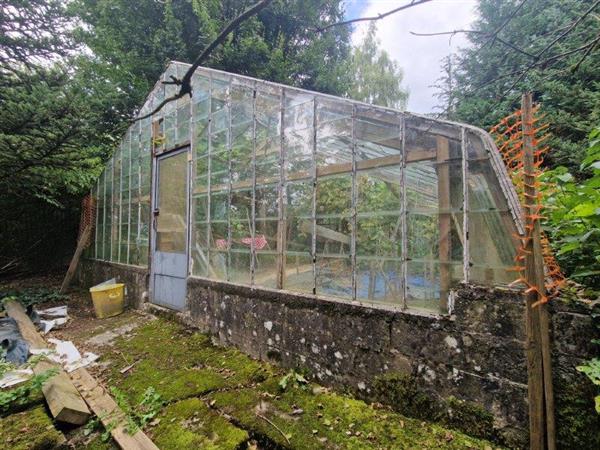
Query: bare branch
377	17
185	82
508	44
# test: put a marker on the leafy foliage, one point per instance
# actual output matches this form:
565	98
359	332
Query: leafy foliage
573	216
592	371
22	394
138	415
32	296
293	379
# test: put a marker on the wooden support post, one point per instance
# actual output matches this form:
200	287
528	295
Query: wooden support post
83	240
64	401
539	367
445	219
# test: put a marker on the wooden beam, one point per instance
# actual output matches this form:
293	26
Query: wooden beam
109	413
83	240
445	219
326	233
64	401
539	366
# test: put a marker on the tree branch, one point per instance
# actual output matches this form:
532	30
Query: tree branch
373	18
494	35
185	83
508	44
550	45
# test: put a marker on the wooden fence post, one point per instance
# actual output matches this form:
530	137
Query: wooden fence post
539	371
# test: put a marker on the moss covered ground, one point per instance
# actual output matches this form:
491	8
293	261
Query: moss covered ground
219	398
31	429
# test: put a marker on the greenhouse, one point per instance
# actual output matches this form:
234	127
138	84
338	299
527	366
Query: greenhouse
258	184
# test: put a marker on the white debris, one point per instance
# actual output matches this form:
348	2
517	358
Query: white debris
50	324
268	325
66	354
60	314
88	358
15	377
451	342
60	311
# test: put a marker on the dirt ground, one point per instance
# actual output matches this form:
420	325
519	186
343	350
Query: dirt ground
186	392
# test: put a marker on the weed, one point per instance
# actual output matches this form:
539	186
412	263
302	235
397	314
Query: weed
20	395
294	378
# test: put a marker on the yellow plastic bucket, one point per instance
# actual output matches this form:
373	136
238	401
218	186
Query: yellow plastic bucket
108	299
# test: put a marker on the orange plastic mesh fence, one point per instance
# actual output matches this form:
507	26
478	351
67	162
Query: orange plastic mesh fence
88	217
508	135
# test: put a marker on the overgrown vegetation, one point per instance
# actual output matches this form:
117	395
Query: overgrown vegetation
572	211
24	394
31	296
140	414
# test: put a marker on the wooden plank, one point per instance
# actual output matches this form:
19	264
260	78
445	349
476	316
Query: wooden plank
540	389
326	233
64	401
109	413
445	219
85	237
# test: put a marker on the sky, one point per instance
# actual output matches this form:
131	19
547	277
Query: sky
419	57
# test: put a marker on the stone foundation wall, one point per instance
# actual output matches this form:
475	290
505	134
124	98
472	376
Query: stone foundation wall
468	370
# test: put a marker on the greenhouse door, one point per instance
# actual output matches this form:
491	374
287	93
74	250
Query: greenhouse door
170	260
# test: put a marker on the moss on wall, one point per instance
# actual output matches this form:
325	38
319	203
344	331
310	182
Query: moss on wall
402	393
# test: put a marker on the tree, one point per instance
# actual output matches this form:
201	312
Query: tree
491	75
377	78
32	31
279	44
445	85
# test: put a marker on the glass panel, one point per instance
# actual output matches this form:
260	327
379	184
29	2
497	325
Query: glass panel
379	279
268	114
334	277
171	220
434	202
491	249
241	156
299	262
199	251
299	275
116	207
183	124
423	283
240	218
299	110
267	160
239	270
265	269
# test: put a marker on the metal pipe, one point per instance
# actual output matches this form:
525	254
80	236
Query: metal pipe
253	202
313	212
403	211
353	205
